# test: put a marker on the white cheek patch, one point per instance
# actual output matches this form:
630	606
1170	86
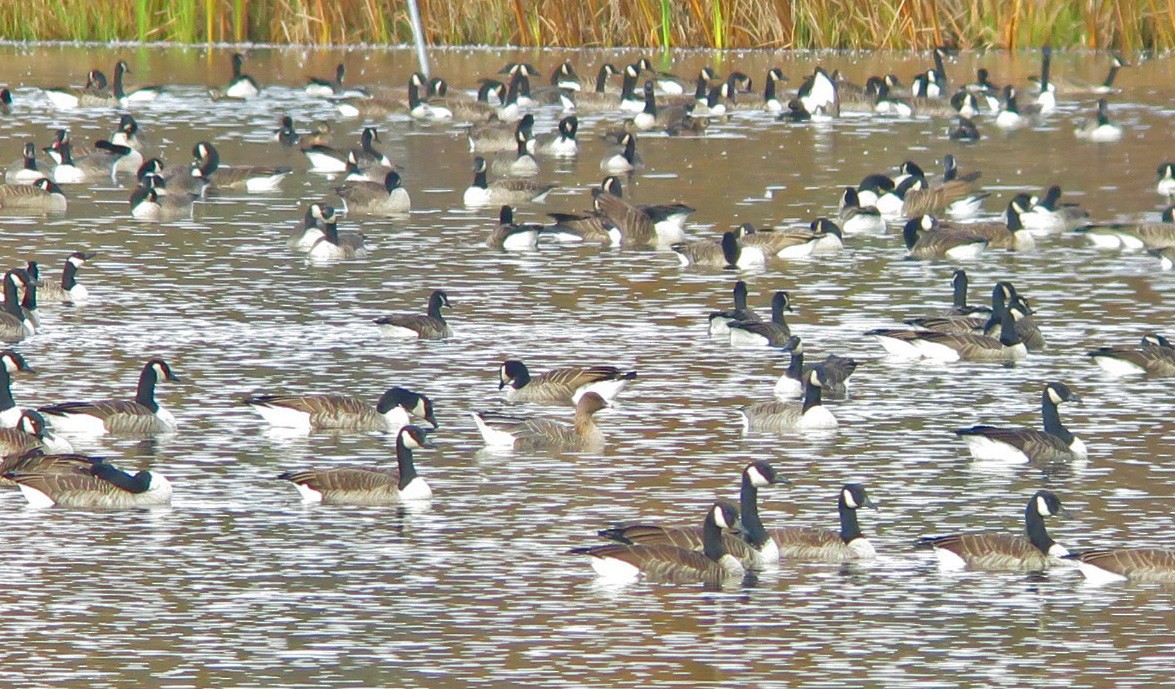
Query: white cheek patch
720	518
1056	399
849	500
1042	507
757	478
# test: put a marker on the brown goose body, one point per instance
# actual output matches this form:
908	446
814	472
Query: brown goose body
1155	357
1033	552
535	433
562	385
1152	565
70	480
429	326
368	485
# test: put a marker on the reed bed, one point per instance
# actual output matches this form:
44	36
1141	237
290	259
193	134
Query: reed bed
786	24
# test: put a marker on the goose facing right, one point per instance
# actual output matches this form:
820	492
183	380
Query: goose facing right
142	416
562	385
1054	444
376	198
430	326
826	545
396	408
10	362
533	433
1000	552
784	417
368	485
79	481
792	383
68	290
773	333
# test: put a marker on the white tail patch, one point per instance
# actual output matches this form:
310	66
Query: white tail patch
36	498
984	448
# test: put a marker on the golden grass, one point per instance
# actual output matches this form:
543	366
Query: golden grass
891	24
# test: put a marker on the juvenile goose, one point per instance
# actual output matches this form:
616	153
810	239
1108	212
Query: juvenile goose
773	333
14	324
431	326
42	196
508	235
10	362
368	485
669	563
826	545
68	290
726	253
1100	129
1021	445
1110	565
247	177
30	432
79	481
141	416
753	547
240	86
379	199
950	347
530	433
837	370
1154	357
501	192
783	417
720	320
1004	552
563	385
927	239
395	409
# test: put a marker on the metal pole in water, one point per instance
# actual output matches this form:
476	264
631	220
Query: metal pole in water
418	36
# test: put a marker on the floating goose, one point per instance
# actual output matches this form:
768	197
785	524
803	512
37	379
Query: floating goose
530	433
430	326
141	416
826	545
1033	552
368	485
79	481
785	417
563	385
1054	444
396	408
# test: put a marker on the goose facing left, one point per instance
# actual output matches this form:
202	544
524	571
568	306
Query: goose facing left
70	480
396	408
562	385
1054	444
1001	552
10	362
142	416
368	485
14	323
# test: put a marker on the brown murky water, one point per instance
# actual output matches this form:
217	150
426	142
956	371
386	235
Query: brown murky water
238	584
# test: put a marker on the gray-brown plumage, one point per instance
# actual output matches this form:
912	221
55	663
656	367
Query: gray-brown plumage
956	346
508	235
672	564
1155	357
67	290
496	136
142	416
430	326
30	433
773	333
42	196
1154	236
928	239
1033	552
247	177
590	227
14	322
532	433
837	370
396	408
635	225
777	416
1009	234
368	485
562	385
1054	444
783	243
826	545
376	198
918	199
1152	565
505	191
79	481
1004	298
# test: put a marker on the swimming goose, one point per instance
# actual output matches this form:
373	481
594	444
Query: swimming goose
368	485
247	177
382	199
508	235
1005	297
532	433
324	158
1110	565
501	192
42	196
285	134
784	417
1151	236
563	385
241	86
332	246
14	323
1046	99
726	253
1011	115
1048	214
30	432
140	94
822	236
959	305
562	144
10	362
141	416
927	239
1032	552
950	347
920	199
858	219
152	202
818	95
28	303
70	480
94	93
754	547
319	87
68	290
670	84
773	333
671	564
837	370
431	326
420	107
1021	445
720	320
825	545
1165	184
1154	357
1100	129
522	164
395	409
496	136
624	159
1009	233
27	170
582	227
964	130
96	166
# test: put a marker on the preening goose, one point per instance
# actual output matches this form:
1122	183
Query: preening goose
562	385
79	481
368	485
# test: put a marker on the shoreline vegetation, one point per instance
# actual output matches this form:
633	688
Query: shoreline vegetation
737	24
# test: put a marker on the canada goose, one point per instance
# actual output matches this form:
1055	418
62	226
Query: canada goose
510	236
522	163
818	95
332	246
148	203
28	302
368	485
919	199
959	305
826	545
720	320
964	130
858	219
1003	298
1151	236
27	170
1054	444
182	179
1165	183
431	326
1154	357
502	191
1004	552
960	318
640	225
927	239
369	198
600	99
822	236
496	136
241	86
395	409
726	253
318	87
531	433
1100	129
324	158
562	144
1102	88
624	159
754	547
10	362
1046	99
70	480
670	84
654	116
248	177
563	385
419	107
784	417
771	102
14	324
68	290
128	134
773	333
872	187
1109	565
42	196
1048	215
837	370
669	563
285	134
949	347
94	93
141	416
99	165
1011	115
31	431
1008	234
140	94
590	227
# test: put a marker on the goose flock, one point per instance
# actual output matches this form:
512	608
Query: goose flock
935	218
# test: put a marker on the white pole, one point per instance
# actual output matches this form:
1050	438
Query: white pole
418	37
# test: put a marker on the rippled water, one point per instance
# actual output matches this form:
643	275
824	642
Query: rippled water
238	584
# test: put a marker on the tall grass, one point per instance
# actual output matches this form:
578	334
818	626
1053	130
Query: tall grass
1098	24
